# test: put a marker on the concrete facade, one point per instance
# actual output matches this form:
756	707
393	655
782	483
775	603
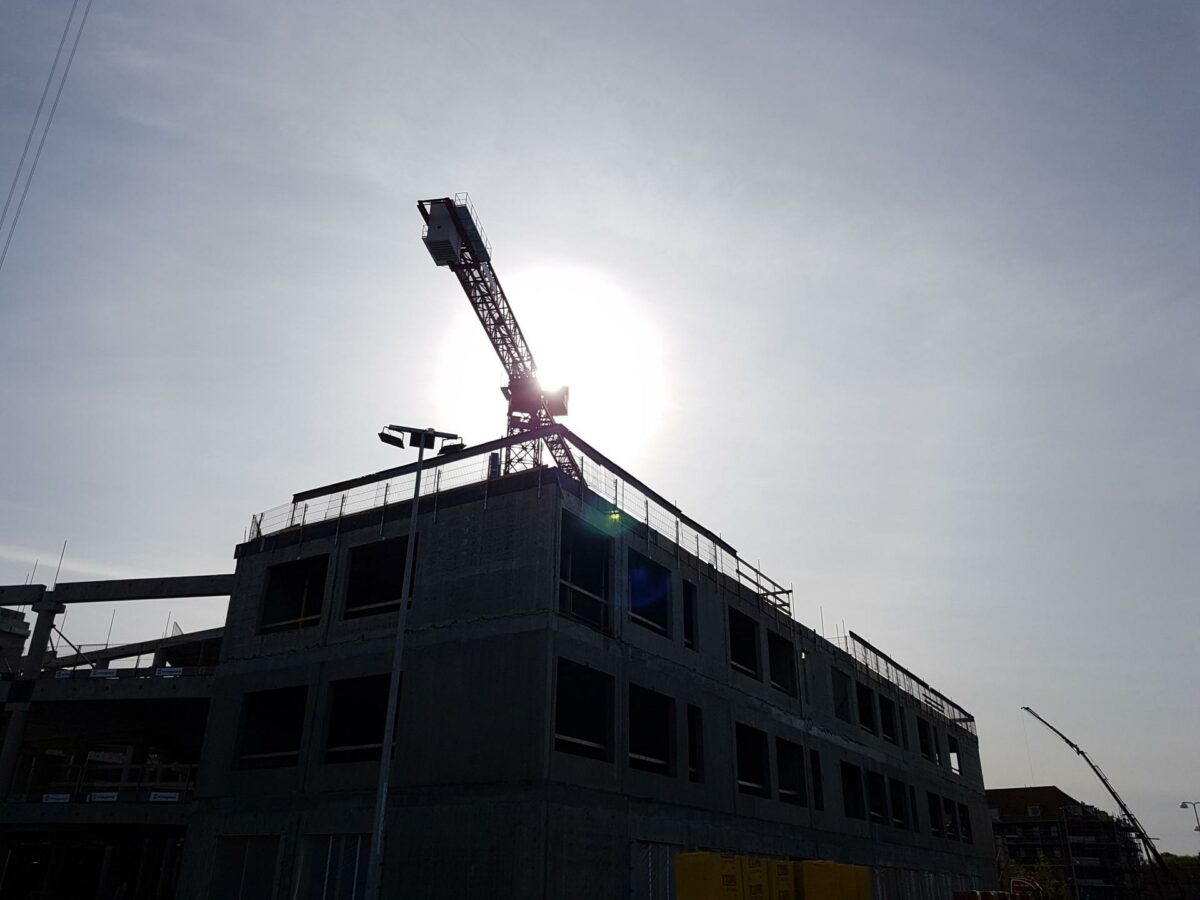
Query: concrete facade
582	699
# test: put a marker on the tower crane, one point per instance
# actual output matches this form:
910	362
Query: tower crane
1146	840
454	240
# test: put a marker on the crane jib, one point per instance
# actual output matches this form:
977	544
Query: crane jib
455	241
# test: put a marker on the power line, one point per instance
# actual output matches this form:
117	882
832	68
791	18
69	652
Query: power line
46	129
12	188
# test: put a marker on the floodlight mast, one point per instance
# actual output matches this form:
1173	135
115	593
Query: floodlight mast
455	241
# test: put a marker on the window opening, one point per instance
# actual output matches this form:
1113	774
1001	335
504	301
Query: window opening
781	663
877	809
743	643
583	572
695	738
887	719
866	707
294	594
333	867
357	707
752	762
936	827
649	593
377	577
272	726
951	814
964	824
689	615
955	760
244	868
841	694
651	731
789	760
583	711
853	802
899	802
818	782
924	738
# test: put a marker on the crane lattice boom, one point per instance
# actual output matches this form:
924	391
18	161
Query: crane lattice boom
454	240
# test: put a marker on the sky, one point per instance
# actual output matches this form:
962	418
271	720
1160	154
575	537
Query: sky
899	297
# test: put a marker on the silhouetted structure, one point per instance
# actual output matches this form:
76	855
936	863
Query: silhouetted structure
593	682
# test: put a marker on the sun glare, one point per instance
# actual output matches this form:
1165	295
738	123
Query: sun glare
585	332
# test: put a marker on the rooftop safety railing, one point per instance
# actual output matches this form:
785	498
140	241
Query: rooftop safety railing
628	496
878	663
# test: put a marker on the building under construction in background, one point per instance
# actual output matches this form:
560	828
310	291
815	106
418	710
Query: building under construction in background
592	683
1092	854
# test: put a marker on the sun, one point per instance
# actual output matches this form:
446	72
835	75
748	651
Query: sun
586	332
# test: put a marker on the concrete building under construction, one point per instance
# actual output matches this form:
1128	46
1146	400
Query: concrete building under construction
592	683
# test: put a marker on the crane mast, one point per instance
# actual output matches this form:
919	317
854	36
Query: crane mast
1146	840
454	240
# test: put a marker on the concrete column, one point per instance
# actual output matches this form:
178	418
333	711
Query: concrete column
46	608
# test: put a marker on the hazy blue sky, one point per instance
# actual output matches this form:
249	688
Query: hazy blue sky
899	297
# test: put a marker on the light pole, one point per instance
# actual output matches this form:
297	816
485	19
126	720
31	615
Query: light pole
423	439
1193	804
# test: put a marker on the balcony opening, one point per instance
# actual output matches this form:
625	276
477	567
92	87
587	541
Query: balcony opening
583	711
649	593
753	766
899	803
583	591
357	707
789	760
955	760
689	615
877	810
695	738
818	782
651	731
855	805
377	577
272	727
887	719
743	643
866	707
781	663
294	595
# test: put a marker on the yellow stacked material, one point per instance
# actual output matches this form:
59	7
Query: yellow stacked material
754	878
708	876
822	880
779	880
